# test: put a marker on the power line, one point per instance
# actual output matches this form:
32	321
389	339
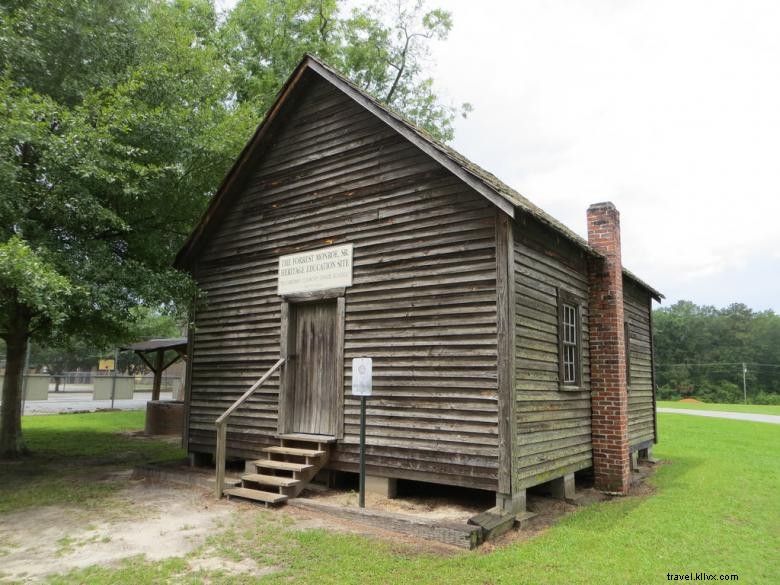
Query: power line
719	364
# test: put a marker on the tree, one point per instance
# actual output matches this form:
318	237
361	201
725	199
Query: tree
382	48
700	351
60	354
103	172
121	117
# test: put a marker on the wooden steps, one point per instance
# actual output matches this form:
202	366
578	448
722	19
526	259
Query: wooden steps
257	495
274	480
286	471
284	465
308	438
294	451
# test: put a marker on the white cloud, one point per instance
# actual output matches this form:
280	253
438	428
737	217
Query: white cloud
667	108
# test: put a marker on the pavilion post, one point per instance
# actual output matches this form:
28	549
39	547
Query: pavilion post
158	370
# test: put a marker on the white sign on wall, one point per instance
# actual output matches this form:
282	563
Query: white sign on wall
361	376
315	270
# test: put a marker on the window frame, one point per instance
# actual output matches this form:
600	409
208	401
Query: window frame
566	298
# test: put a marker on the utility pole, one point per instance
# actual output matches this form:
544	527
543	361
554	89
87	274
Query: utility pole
744	381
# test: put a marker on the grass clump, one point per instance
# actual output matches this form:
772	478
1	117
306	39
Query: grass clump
714	510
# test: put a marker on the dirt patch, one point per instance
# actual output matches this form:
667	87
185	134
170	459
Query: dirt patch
399	543
430	507
164	520
158	521
690	401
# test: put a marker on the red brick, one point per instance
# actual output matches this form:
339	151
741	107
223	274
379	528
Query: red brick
609	411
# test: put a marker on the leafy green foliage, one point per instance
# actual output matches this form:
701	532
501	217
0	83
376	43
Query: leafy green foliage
69	353
382	47
700	349
32	282
120	119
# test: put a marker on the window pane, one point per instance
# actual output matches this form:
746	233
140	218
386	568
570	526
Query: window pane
569	352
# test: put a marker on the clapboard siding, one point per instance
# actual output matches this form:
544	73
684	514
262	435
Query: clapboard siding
422	304
641	402
553	424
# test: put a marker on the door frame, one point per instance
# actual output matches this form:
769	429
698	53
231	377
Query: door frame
287	347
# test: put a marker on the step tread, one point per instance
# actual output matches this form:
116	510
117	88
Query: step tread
271	479
258	495
294	451
286	465
308	438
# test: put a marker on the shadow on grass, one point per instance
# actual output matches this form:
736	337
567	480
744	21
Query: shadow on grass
78	459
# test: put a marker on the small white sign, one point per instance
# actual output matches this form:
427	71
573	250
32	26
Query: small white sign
361	376
315	270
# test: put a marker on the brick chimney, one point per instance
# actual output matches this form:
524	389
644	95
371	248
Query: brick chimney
609	396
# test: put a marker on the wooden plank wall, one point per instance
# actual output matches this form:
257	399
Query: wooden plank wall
423	303
553	424
641	405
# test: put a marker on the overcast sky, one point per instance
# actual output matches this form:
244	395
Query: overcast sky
668	108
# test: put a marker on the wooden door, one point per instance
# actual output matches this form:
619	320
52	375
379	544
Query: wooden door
315	364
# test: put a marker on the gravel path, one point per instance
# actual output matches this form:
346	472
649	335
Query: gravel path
766	418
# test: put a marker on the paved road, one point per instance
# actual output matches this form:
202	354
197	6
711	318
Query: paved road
767	418
82	401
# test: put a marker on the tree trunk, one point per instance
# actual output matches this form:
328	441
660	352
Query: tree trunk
11	443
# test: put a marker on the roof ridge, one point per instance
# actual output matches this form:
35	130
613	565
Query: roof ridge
491	187
491	180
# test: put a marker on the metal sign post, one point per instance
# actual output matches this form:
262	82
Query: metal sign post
361	386
113	377
362	498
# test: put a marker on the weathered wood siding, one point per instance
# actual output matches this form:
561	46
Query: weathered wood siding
641	404
423	303
553	424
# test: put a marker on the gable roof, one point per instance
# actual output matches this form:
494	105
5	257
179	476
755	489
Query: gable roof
483	182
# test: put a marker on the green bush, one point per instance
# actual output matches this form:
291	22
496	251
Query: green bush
765	398
668	393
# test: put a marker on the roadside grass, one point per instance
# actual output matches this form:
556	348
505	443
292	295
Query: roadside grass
715	510
750	408
73	457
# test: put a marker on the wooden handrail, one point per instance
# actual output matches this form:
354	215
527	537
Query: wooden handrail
221	424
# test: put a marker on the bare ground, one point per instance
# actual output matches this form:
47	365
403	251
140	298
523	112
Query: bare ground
158	521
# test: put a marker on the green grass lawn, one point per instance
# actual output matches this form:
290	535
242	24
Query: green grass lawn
73	456
716	509
751	408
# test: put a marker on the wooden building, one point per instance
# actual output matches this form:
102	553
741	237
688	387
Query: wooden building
343	231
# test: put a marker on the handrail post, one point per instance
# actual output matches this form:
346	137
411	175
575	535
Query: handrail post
221	424
220	457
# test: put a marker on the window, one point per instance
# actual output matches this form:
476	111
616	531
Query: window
569	335
627	349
